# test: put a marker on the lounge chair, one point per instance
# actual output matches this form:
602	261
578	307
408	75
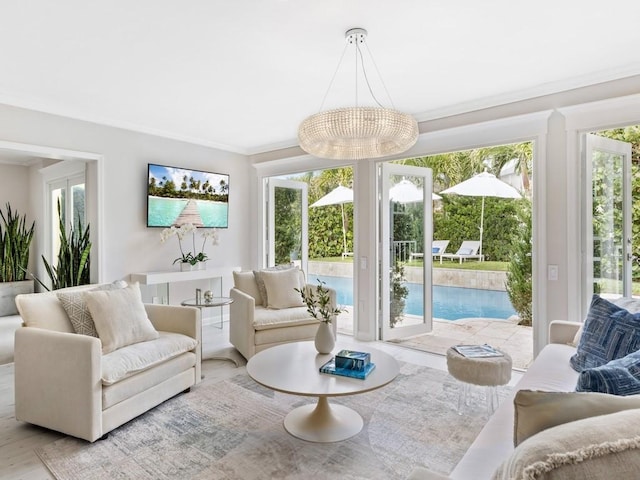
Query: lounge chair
468	250
438	248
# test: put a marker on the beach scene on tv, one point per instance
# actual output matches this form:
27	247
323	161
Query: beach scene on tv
177	196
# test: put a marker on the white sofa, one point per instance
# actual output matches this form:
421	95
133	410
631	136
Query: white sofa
64	382
255	326
550	372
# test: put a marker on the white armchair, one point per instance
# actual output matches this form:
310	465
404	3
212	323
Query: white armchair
256	325
64	381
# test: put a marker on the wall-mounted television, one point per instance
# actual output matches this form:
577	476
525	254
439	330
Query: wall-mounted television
176	196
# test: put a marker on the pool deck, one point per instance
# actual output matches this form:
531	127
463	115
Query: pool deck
506	335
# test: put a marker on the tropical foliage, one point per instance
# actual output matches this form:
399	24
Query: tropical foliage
519	275
189	188
73	265
15	239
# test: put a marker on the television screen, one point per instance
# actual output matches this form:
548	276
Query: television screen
176	196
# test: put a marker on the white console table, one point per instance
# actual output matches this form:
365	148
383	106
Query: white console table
165	278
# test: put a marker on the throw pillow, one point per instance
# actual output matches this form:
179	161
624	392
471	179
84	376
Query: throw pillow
281	285
246	282
76	308
536	411
120	317
604	446
618	377
435	250
260	281
609	332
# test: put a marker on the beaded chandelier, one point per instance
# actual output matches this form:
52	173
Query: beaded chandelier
355	133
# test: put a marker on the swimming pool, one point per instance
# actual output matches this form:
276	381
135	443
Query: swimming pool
449	303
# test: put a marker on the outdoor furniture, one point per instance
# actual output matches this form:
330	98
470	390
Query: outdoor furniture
438	248
468	250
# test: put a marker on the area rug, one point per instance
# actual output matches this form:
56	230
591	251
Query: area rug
233	430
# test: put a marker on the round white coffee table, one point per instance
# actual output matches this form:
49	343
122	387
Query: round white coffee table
293	368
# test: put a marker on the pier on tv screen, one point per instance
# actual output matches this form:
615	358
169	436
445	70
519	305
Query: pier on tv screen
176	196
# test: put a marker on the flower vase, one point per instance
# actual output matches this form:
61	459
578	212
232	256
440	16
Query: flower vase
324	338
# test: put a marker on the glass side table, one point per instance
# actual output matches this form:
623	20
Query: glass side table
227	354
214	302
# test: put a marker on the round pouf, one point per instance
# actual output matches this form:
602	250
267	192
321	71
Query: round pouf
488	372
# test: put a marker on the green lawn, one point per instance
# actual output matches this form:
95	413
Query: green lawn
468	265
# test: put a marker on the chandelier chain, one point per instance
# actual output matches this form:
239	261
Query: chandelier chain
375	65
344	50
366	78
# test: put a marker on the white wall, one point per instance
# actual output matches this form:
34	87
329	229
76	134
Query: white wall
128	245
14	189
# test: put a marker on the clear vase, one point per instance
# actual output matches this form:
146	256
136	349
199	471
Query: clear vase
324	340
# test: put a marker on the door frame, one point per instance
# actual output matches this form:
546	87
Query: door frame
591	143
384	262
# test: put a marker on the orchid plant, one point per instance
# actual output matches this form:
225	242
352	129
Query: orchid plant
182	232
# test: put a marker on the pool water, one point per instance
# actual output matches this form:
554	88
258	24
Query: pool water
449	303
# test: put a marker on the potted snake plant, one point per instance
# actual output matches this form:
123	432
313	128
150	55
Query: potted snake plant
15	240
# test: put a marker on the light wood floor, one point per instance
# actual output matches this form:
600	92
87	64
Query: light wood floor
18	440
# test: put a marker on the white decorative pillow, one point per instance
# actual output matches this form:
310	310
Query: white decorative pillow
281	285
536	411
246	283
604	446
76	308
260	281
120	317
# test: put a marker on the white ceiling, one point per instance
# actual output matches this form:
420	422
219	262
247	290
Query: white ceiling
242	74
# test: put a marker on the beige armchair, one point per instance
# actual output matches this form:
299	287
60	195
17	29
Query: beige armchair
256	325
64	381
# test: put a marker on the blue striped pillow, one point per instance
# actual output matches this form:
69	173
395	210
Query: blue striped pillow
610	332
618	377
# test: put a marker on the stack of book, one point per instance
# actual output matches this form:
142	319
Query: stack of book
477	351
349	363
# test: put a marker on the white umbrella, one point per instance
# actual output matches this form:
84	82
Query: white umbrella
406	191
483	185
338	196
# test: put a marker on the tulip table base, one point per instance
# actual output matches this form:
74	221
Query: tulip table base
293	368
323	422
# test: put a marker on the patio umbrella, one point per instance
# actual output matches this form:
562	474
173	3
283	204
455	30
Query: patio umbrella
483	185
338	196
406	191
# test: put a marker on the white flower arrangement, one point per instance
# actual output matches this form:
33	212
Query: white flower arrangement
181	232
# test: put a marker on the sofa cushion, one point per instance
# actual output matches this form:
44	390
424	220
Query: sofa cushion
536	410
44	310
609	332
120	317
260	282
77	311
264	318
604	446
618	377
129	360
246	282
281	288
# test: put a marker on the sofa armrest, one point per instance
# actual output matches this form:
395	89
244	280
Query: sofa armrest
58	381
177	319
241	330
562	331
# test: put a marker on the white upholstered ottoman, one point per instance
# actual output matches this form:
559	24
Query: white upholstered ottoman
488	372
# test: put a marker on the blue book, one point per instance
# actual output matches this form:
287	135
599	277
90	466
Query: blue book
352	359
330	368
